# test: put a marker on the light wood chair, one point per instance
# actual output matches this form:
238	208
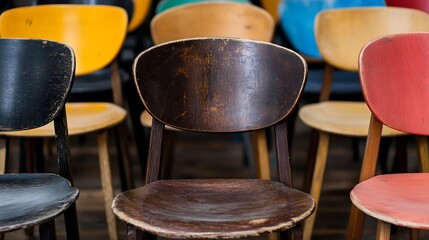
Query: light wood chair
167	4
96	34
29	68
222	86
394	75
340	34
217	19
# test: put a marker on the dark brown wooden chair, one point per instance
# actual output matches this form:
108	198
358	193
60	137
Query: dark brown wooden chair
217	85
29	68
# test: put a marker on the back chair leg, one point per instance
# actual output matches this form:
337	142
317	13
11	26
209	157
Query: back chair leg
106	182
260	152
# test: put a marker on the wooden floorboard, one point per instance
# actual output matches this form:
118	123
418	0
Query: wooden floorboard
196	156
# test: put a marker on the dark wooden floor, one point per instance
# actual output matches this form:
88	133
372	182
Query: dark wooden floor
197	156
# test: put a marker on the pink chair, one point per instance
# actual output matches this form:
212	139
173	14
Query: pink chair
394	72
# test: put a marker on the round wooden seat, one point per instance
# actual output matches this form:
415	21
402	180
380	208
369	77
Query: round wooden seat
32	199
341	117
82	118
221	208
387	197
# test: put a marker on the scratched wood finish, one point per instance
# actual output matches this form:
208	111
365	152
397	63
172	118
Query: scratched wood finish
387	73
216	85
409	191
32	67
221	208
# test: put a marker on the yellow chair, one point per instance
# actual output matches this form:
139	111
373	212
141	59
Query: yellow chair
96	34
217	19
141	9
340	35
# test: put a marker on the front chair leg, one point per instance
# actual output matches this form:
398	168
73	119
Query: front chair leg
135	234
47	230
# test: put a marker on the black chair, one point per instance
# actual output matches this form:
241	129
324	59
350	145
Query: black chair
29	67
217	85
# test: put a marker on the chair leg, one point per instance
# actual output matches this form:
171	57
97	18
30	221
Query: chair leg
311	160
106	183
260	152
316	185
383	230
124	163
135	234
422	146
47	230
3	149
70	219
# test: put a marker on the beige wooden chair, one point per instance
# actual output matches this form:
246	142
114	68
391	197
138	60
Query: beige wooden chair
217	19
340	35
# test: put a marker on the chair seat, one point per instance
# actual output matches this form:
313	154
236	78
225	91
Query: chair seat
49	194
340	117
215	208
400	199
81	118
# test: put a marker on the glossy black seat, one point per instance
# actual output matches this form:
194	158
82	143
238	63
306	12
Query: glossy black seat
29	67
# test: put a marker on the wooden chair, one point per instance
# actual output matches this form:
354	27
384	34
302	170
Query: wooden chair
417	4
81	27
217	19
340	35
30	67
397	95
217	85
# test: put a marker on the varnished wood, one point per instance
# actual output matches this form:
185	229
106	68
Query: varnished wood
410	98
191	209
341	117
186	85
213	19
31	199
383	230
141	9
225	19
422	143
272	6
375	22
2	155
91	56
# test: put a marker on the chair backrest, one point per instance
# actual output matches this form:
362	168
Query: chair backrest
213	19
128	5
417	4
95	32
394	73
297	20
341	33
272	6
141	10
218	85
167	4
35	79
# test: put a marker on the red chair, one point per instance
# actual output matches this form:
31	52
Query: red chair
394	72
417	4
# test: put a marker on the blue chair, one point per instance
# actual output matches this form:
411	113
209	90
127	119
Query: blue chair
297	22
